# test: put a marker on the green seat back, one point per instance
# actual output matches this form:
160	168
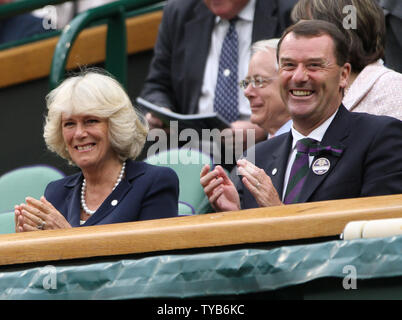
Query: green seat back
19	183
7	224
187	163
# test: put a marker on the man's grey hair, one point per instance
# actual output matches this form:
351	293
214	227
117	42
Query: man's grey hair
265	46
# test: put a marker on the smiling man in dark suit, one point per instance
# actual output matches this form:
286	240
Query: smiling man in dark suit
330	153
184	70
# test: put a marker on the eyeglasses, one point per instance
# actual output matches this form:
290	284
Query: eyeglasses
256	82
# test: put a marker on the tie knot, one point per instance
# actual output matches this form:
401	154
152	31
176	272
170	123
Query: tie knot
304	145
232	23
233	20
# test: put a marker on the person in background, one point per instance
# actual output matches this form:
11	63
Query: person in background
92	124
372	87
66	11
20	26
393	41
188	73
330	153
261	88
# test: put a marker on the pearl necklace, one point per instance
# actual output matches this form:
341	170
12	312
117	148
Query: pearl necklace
84	185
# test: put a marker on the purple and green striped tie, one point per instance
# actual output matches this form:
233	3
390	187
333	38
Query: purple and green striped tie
299	170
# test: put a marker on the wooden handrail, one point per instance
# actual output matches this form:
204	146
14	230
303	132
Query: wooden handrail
298	221
32	61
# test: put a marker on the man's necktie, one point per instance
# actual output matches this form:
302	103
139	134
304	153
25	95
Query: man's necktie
299	170
226	91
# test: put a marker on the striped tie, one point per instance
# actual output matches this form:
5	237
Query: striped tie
226	91
299	170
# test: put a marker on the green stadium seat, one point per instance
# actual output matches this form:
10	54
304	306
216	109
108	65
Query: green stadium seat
19	183
7	224
187	163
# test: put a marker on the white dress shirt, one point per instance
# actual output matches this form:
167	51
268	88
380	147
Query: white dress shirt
244	28
316	134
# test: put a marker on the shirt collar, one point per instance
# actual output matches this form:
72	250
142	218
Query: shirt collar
284	129
316	134
246	14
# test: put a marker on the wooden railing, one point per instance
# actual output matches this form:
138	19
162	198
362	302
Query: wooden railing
33	61
299	221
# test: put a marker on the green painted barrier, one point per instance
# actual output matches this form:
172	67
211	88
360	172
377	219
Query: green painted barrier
116	59
114	14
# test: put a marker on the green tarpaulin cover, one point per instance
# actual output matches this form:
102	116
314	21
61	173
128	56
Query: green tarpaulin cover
232	272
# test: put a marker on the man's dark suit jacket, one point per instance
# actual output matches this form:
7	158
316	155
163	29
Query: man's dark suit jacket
177	69
370	164
20	27
146	192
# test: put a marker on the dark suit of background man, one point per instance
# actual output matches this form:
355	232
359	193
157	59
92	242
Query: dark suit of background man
176	76
358	154
393	42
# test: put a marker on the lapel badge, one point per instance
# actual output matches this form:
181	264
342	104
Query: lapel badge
274	171
321	166
114	203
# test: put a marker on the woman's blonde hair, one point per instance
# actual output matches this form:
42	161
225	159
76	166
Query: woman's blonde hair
97	94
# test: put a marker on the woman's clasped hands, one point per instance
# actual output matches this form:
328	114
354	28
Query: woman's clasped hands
37	215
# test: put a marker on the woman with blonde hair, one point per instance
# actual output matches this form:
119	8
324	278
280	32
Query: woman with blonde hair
92	124
372	88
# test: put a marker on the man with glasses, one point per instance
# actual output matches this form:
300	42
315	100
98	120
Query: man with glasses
330	153
261	88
